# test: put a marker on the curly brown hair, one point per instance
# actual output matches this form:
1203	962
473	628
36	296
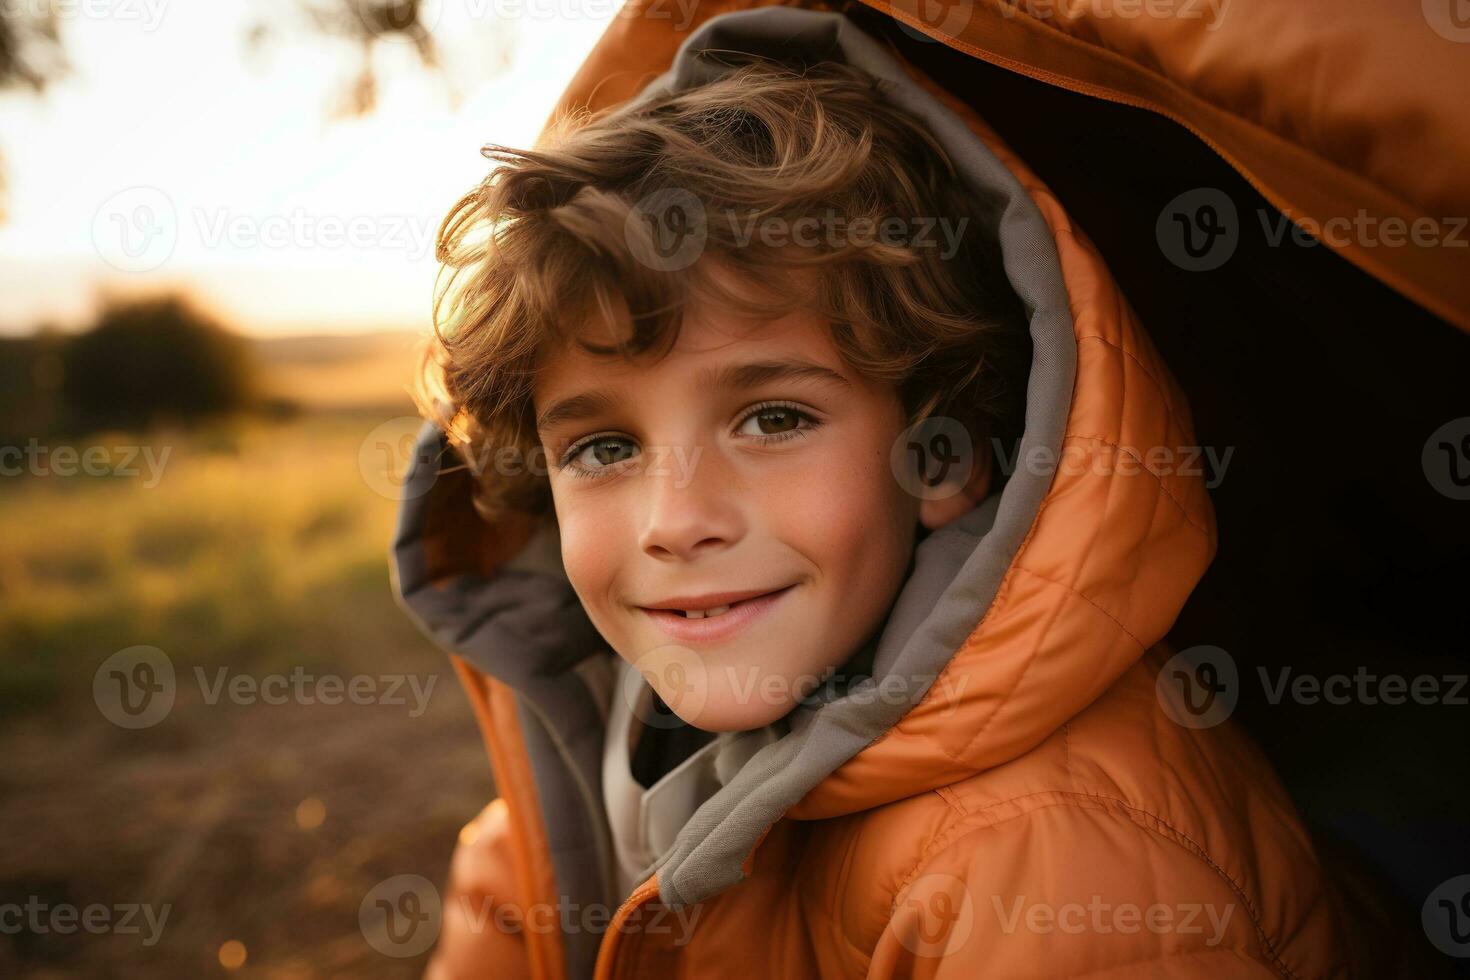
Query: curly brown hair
597	222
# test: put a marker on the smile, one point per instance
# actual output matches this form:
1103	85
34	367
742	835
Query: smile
716	616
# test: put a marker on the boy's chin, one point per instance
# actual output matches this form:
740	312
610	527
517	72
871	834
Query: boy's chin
715	717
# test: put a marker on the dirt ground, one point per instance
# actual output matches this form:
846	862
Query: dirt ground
265	825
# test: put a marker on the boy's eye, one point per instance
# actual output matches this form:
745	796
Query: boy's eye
773	420
602	451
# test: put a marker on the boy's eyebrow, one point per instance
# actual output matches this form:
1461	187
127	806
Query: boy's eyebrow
729	377
582	406
737	376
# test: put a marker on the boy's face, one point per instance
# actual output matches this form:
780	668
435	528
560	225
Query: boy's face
744	476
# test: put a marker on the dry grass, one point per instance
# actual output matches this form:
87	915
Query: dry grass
261	550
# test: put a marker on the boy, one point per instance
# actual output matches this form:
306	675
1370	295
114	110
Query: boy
876	704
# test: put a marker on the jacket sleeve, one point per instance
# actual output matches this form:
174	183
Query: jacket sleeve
481	932
1066	892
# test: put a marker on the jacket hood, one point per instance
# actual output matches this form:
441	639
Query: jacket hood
1014	618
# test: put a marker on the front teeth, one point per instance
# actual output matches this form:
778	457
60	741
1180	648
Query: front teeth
706	613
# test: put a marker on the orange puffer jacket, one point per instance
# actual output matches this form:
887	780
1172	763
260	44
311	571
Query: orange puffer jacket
1055	803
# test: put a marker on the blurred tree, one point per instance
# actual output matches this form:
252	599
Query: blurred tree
30	56
30	47
30	382
364	24
154	360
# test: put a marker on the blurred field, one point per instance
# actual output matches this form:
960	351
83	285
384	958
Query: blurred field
261	550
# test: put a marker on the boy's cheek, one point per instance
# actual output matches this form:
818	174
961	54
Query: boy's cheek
590	544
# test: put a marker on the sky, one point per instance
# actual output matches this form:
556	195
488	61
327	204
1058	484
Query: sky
177	155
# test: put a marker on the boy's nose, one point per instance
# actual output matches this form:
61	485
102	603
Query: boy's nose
690	516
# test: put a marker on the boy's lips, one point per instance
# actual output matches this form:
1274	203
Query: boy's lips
743	609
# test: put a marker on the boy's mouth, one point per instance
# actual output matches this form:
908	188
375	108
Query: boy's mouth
689	618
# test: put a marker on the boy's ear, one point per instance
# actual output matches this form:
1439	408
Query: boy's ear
935	514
